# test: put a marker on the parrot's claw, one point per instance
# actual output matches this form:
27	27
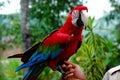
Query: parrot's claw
60	69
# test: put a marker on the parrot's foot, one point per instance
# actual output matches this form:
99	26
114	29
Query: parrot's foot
60	69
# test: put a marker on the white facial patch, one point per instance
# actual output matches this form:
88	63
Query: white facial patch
84	17
75	15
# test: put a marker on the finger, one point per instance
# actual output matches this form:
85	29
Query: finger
67	67
68	75
70	63
70	71
63	66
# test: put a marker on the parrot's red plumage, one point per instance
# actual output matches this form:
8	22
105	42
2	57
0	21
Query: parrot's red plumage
57	47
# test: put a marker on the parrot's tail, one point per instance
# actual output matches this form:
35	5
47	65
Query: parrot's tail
16	56
34	71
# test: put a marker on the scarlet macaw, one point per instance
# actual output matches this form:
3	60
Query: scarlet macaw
56	47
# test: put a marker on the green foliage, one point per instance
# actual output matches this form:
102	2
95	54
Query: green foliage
113	20
94	54
39	30
10	26
8	70
50	10
116	18
48	74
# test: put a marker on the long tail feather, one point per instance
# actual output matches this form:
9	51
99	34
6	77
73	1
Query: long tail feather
16	56
34	60
25	66
34	71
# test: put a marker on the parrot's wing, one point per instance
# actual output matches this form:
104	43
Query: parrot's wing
42	54
28	53
54	38
39	60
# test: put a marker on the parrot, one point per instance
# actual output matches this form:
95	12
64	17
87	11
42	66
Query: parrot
57	47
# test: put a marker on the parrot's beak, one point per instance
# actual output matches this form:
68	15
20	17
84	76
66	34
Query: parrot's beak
84	17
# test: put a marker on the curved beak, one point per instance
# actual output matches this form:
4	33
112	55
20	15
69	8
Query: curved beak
84	17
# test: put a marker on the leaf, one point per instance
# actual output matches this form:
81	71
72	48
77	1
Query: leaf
10	73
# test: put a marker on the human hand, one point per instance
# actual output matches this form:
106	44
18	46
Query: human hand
73	72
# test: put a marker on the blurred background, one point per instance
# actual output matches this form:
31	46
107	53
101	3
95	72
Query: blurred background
26	22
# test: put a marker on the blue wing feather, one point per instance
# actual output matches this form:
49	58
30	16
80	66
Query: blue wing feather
34	71
34	60
56	53
38	59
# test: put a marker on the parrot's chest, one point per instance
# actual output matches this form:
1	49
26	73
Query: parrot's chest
74	31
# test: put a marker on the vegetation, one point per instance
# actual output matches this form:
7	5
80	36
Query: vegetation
95	54
100	47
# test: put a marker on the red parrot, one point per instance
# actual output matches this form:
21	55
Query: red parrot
56	47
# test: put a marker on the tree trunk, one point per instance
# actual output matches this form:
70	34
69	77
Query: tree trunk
25	26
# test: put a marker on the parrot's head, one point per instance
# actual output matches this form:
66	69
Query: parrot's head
79	16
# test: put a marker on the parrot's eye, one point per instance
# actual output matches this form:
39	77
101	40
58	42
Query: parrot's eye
75	16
